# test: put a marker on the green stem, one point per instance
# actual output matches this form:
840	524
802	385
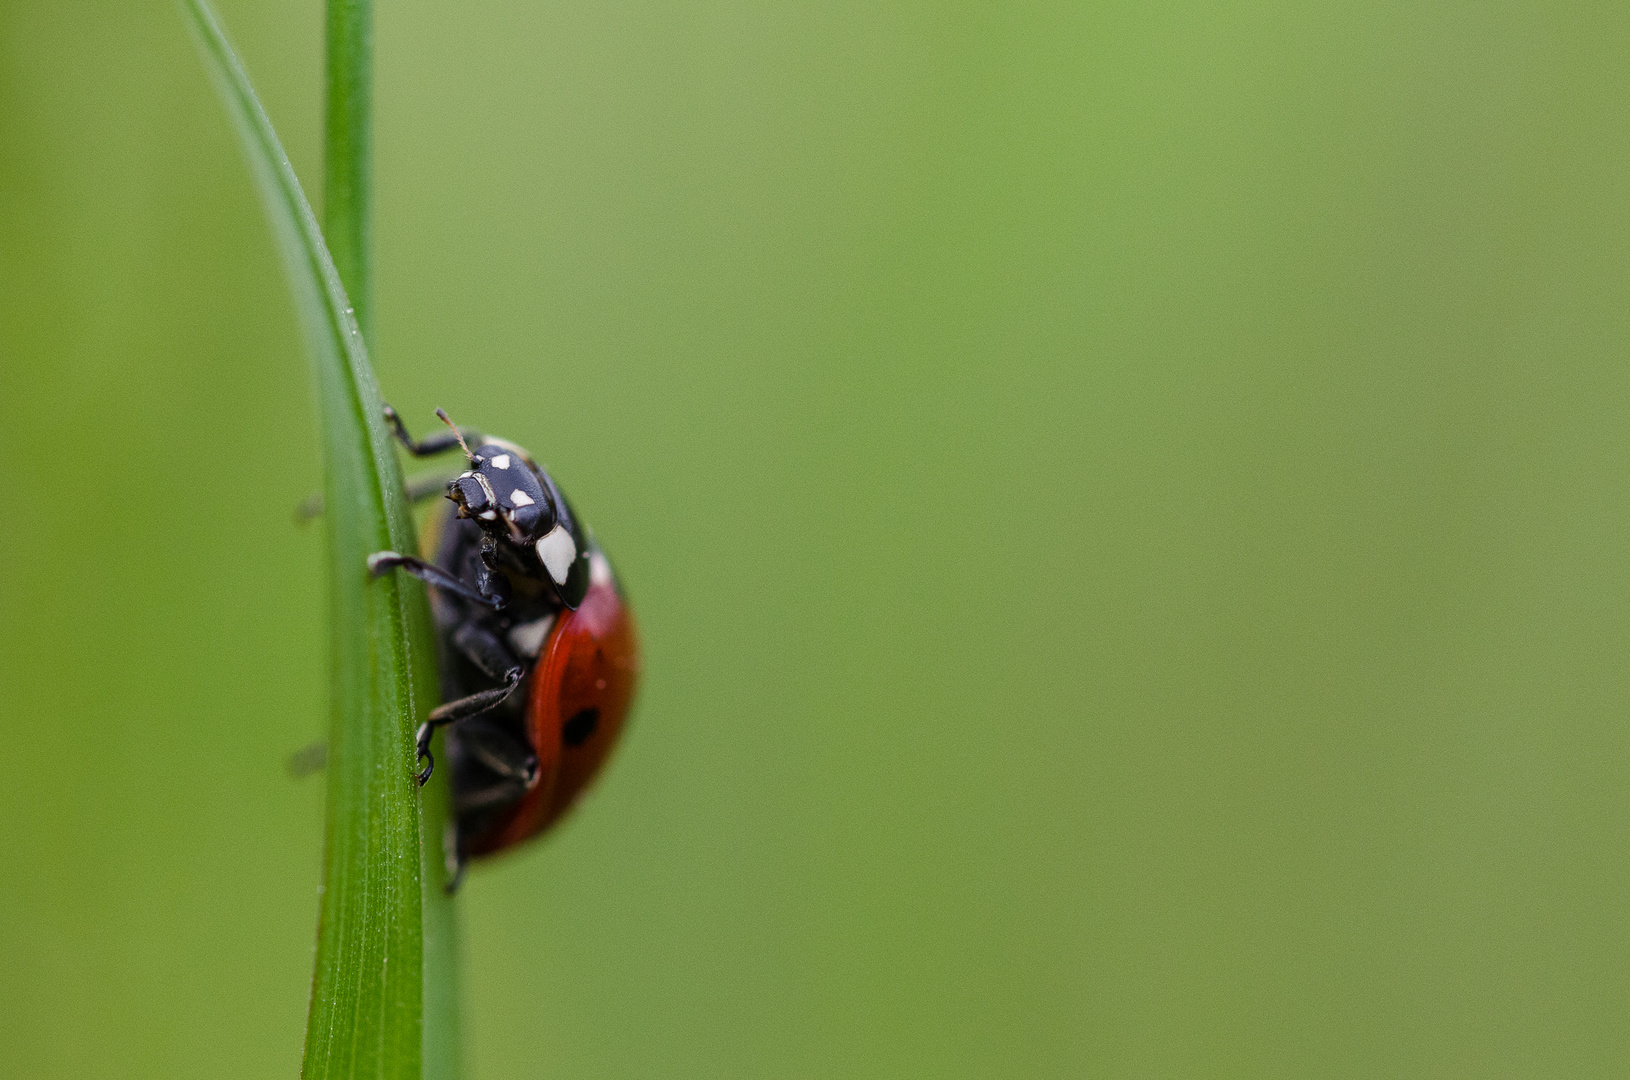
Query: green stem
348	225
384	987
367	986
348	163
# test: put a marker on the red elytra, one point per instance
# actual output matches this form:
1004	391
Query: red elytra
580	693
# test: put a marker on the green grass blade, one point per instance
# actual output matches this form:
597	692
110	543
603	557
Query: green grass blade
348	158
348	226
367	988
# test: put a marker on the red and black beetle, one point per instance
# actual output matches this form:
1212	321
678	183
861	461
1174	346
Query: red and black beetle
522	597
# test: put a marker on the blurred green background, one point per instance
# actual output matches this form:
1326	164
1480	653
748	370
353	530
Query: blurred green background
1128	504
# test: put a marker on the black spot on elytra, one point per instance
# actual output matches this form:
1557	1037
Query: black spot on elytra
580	727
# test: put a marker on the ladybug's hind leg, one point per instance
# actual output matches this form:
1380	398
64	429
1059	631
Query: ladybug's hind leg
494	768
511	762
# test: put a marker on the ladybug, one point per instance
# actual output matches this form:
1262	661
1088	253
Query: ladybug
537	646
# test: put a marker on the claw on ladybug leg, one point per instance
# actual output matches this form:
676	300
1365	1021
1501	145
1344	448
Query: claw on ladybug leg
429	759
453	711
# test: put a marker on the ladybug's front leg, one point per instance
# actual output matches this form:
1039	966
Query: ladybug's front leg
430	445
489	578
490	590
487	652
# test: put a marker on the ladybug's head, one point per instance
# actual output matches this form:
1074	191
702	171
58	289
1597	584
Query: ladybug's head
515	502
501	492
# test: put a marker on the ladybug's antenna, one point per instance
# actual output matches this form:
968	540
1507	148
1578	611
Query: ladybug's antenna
457	434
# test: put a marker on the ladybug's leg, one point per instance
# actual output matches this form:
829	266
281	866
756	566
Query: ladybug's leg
434	444
426	485
488	578
451	713
508	770
311	758
454	856
489	589
513	765
500	791
487	652
419	487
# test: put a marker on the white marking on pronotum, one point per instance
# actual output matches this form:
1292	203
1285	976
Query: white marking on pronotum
558	550
527	639
520	498
488	515
501	461
599	570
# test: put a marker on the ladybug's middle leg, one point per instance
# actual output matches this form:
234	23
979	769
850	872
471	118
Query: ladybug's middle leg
487	651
